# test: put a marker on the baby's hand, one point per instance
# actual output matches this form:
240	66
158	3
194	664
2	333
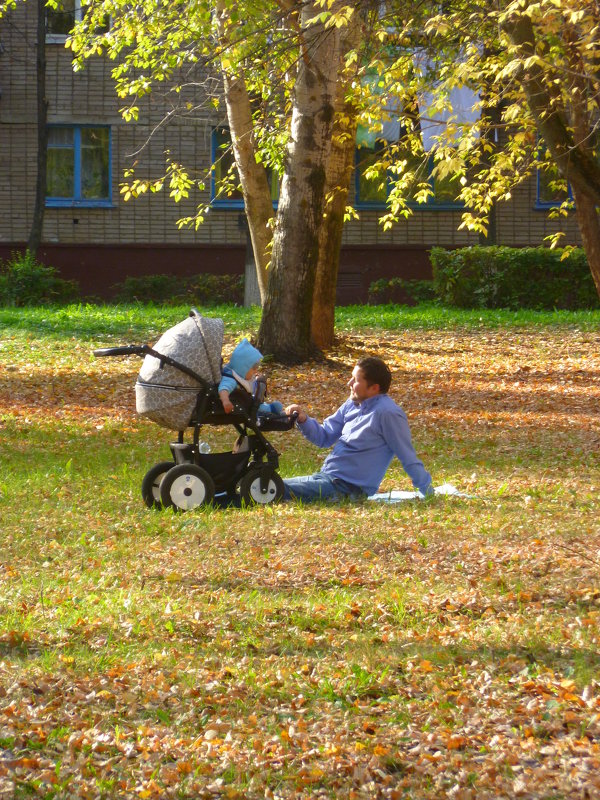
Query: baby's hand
225	401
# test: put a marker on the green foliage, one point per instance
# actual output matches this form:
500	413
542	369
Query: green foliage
505	277
401	291
201	289
26	282
7	5
150	289
206	289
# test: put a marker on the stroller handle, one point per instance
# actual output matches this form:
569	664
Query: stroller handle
124	350
146	350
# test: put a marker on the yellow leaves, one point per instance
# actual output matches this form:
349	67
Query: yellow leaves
139	187
309	775
151	789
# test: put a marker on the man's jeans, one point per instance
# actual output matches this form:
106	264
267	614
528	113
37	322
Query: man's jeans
320	486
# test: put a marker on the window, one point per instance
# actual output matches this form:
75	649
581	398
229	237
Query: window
78	170
60	21
373	192
369	191
225	191
550	190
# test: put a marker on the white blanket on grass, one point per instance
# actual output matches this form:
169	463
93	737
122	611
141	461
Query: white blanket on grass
398	496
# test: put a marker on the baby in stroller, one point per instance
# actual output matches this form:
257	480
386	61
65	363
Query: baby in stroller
242	371
178	388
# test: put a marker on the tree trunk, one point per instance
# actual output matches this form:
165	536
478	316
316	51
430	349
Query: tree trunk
586	207
575	161
567	140
340	165
253	176
338	174
285	330
37	222
589	227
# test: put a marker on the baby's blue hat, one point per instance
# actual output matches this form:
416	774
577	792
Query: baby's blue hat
244	357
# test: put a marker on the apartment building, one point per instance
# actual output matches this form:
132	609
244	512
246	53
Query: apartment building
92	234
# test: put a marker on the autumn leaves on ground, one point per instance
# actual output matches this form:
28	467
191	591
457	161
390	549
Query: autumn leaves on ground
446	648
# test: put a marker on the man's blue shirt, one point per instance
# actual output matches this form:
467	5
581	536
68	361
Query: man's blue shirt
366	437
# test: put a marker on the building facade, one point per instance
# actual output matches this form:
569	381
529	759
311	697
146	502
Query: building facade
93	235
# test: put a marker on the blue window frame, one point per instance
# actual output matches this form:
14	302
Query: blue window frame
549	192
224	188
224	191
373	192
78	171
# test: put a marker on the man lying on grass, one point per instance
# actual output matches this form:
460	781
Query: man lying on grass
367	431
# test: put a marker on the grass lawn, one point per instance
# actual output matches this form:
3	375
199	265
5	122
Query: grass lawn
443	649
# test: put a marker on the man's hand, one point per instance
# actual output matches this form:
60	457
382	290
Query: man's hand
302	415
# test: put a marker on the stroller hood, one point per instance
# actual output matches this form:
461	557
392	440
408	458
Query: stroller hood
165	394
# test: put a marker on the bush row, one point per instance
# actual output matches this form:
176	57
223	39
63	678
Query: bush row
26	282
204	289
401	291
507	277
471	277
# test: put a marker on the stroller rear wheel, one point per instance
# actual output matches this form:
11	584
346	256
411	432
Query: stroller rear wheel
251	493
151	483
186	486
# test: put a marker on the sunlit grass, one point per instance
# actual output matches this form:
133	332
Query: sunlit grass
295	647
145	322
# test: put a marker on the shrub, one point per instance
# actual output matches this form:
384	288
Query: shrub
26	282
202	289
400	291
151	289
506	277
205	289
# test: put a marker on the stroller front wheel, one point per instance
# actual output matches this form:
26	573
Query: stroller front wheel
152	481
251	492
185	487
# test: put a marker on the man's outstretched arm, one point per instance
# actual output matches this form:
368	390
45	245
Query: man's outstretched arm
321	435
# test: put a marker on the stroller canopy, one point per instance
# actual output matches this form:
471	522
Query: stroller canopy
166	394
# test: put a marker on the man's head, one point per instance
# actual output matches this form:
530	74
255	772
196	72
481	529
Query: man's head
370	376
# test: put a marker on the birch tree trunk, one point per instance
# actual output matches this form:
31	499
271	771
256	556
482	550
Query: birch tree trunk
285	330
253	177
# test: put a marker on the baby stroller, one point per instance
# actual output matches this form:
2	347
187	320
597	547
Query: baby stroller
177	389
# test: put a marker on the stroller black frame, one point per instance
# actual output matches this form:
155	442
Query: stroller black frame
193	478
